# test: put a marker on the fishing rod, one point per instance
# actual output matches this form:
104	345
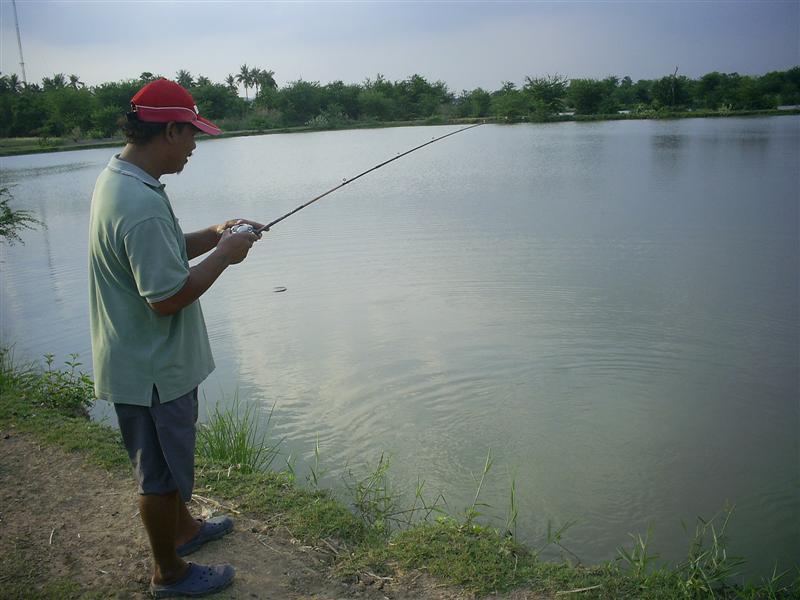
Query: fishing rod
248	228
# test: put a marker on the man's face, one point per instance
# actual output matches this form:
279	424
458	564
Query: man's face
182	145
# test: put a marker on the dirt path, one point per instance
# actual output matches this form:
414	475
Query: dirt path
62	519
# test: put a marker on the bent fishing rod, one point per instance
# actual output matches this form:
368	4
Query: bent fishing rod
248	228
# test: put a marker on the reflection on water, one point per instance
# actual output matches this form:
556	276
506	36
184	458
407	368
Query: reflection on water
610	307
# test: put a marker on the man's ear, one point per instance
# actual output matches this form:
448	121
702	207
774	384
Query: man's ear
171	131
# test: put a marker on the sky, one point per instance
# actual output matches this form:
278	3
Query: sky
464	44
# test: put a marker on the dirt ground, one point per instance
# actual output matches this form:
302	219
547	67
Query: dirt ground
67	520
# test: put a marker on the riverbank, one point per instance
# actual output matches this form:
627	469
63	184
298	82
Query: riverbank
32	145
68	512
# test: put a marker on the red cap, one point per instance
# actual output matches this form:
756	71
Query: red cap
162	101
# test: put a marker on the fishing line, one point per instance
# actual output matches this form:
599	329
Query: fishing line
245	227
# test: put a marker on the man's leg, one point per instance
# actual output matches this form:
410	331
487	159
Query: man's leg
160	518
187	525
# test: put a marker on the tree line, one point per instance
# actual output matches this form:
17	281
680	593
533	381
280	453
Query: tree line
63	105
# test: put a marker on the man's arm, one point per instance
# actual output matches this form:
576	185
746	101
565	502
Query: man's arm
200	242
231	249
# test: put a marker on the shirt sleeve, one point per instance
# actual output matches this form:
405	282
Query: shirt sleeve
156	260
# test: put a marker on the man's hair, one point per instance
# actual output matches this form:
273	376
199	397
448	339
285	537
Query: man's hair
141	132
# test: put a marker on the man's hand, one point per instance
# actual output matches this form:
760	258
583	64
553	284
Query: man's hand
235	246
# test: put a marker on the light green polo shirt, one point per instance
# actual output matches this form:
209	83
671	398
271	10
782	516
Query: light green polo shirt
137	254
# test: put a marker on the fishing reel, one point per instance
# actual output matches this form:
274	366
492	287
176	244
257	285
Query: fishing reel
243	228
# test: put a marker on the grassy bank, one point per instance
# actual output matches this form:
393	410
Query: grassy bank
370	531
32	145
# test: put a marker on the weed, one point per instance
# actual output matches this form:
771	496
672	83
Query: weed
513	512
231	436
12	221
316	472
554	537
708	565
69	391
472	512
637	558
373	498
378	504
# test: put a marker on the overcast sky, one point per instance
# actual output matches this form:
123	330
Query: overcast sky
464	44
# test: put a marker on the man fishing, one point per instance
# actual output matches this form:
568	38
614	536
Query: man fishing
150	347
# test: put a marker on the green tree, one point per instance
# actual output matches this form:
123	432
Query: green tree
56	82
75	82
264	82
230	81
509	103
417	98
671	91
116	94
548	91
267	79
105	121
375	104
216	101
585	95
625	94
14	85
714	90
28	113
643	91
201	81
790	92
377	99
749	95
244	78
68	109
476	103
300	101
346	97
184	79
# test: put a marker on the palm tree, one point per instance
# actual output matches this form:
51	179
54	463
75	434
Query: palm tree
268	79
58	80
75	82
147	77
230	80
262	79
184	78
14	84
255	81
244	78
202	80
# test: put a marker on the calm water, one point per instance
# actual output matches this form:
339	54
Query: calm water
611	308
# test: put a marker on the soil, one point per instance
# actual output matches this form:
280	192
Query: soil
63	519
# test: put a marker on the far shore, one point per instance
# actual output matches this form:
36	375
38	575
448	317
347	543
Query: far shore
33	145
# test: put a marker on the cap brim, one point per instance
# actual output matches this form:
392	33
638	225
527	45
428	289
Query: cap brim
206	126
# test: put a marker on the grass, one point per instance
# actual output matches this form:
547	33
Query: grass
373	532
235	435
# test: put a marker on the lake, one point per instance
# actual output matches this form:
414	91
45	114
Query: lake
610	308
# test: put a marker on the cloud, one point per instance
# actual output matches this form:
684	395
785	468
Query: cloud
464	44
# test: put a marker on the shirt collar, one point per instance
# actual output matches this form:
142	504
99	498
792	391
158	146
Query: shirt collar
123	167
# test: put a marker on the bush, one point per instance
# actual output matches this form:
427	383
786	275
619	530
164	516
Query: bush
70	391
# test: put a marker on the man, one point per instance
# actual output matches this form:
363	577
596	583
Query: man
149	342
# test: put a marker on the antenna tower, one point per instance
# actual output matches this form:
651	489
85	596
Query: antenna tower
19	43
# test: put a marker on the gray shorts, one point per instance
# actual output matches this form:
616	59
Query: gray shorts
160	441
